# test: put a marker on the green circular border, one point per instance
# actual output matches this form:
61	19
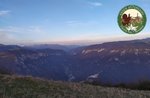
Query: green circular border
131	7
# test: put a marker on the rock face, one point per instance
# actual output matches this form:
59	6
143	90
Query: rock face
113	62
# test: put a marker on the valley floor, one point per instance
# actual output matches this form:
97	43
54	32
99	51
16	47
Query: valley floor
29	87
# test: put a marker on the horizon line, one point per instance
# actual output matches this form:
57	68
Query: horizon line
84	41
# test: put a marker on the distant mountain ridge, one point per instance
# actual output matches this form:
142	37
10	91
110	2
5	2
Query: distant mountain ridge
112	62
52	46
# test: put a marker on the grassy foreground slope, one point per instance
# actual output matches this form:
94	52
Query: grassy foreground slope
28	87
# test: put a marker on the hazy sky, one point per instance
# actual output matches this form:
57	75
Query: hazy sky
64	20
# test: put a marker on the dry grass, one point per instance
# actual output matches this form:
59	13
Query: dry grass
28	87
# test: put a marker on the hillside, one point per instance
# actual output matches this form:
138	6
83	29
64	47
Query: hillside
28	87
121	62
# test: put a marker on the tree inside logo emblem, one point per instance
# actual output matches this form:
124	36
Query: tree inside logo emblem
132	19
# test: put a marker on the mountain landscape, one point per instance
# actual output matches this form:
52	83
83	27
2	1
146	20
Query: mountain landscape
74	49
112	63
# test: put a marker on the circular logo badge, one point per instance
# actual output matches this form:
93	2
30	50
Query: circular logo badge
132	19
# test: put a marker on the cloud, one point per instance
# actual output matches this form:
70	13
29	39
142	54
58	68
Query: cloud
81	24
4	12
95	4
13	35
35	29
6	38
20	30
74	23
